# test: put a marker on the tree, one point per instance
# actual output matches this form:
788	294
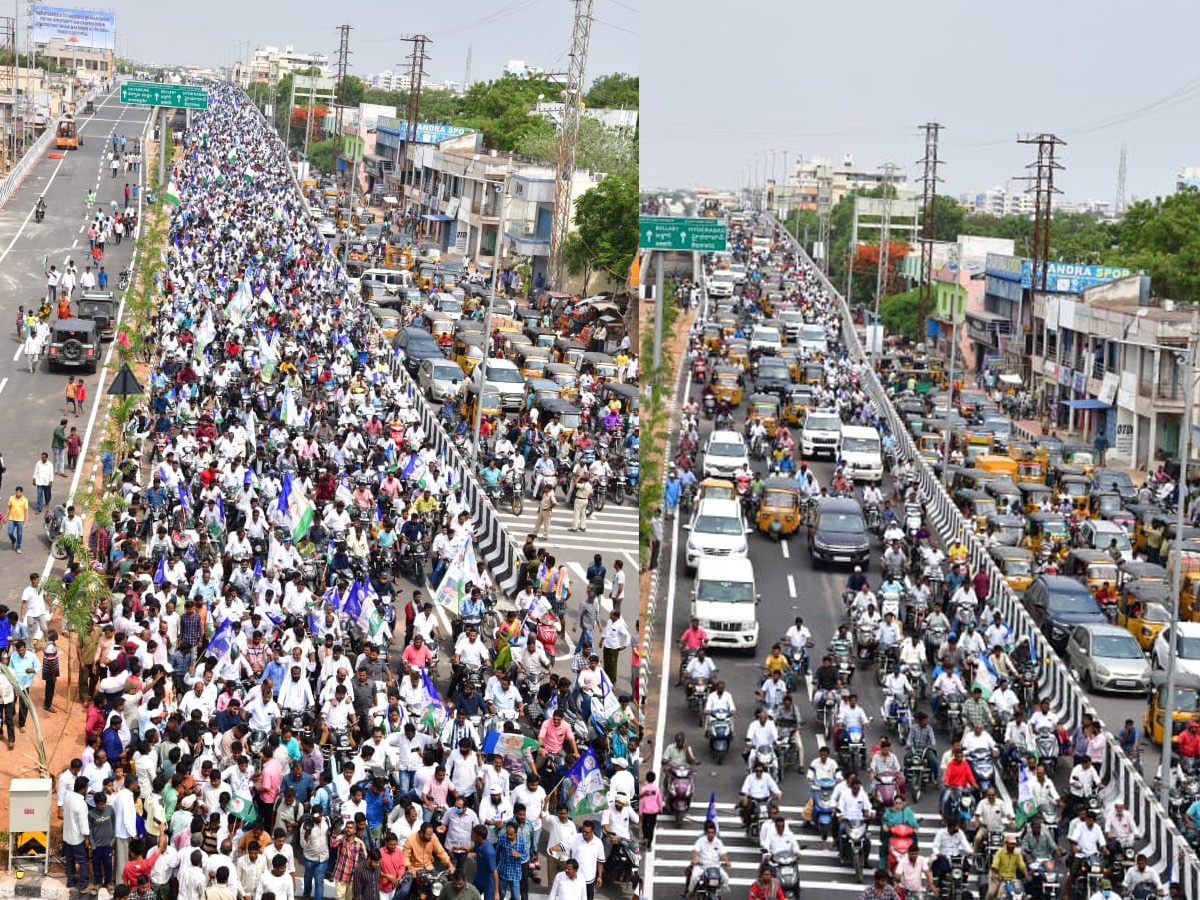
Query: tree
616	91
599	148
804	220
321	154
606	218
500	109
577	259
1162	238
353	91
899	314
948	218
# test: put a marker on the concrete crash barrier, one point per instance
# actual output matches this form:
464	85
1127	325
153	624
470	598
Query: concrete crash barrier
1165	846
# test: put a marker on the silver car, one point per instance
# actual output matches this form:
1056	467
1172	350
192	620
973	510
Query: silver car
439	378
1108	658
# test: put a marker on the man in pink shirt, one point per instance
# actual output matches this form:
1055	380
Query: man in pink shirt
269	781
553	735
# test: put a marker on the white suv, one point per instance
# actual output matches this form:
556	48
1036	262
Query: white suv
717	530
724	454
821	433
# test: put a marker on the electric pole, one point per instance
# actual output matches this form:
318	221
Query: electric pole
416	74
343	63
1119	206
467	73
824	208
1043	195
929	183
581	34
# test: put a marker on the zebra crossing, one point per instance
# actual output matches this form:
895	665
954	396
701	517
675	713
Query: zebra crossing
612	532
820	868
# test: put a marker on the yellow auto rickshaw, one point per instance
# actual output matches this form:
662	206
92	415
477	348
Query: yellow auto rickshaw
569	350
1145	515
1185	708
532	361
1046	533
737	353
1061	470
1001	465
542	337
440	325
491	402
727	385
1004	529
1078	488
1095	568
813	373
1142	609
1031	470
711	337
1081	456
717	488
930	442
764	408
1015	564
565	376
977	444
1032	496
1005	493
779	509
799	399
601	365
570	416
976	506
467	351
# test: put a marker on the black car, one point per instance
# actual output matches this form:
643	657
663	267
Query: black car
773	376
417	345
839	534
1115	480
74	344
1058	603
101	308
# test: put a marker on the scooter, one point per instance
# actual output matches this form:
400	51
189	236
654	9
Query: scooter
822	809
983	764
787	870
916	773
39	211
52	524
852	752
679	791
900	838
720	729
855	846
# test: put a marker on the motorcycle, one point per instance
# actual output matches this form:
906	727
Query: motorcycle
951	713
874	520
900	838
428	884
1049	874
991	845
855	846
887	786
709	406
720	730
822	806
954	883
916	773
983	764
852	752
764	755
787	870
697	696
39	211
828	712
790	749
843	661
123	279
679	791
866	636
1046	741
1087	884
52	524
898	716
624	863
758	812
708	887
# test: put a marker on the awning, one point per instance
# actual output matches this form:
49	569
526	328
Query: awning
1085	404
438	217
391	201
1010	378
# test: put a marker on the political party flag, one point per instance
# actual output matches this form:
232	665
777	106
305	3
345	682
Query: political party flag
160	574
292	415
502	742
241	807
298	506
585	785
452	588
1026	807
221	507
222	641
173	193
712	811
435	713
353	606
257	568
331	597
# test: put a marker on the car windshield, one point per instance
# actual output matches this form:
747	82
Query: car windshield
772	370
725	591
722	276
1116	646
812	333
842	523
1116	480
717	525
1017	567
449	306
766	334
504	376
721	449
446	370
823	423
860	445
1072	604
1189	647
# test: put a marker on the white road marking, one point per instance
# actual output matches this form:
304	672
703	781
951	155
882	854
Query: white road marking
3	384
18	356
791	586
783	548
74	243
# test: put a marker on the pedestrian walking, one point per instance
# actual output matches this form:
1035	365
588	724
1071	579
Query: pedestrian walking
74	447
102	279
52	279
118	230
43	480
650	804
583	493
87	280
67	281
18	512
618	583
70	404
127	183
656	536
115	165
546	504
37	613
50	669
58	447
615	638
33	349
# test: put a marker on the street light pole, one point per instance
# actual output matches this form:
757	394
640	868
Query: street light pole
502	192
1193	364
953	353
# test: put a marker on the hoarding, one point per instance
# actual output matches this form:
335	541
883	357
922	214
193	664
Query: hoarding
92	28
1061	278
427	132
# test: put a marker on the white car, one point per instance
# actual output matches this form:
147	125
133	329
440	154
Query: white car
327	227
717	530
1187	648
766	339
720	283
821	433
739	271
724	454
504	378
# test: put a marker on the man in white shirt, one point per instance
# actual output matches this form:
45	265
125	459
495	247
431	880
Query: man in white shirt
761	731
463	767
708	853
588	850
757	787
720	700
777	841
37	615
124	821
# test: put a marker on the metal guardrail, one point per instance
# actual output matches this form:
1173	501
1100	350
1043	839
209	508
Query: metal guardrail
1167	849
495	549
14	179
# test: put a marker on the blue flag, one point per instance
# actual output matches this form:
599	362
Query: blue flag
331	597
436	714
221	507
257	568
222	641
354	601
160	574
585	785
184	500
712	810
285	492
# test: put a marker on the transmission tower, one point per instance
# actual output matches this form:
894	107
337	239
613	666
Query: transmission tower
1119	206
343	63
416	74
1043	193
581	34
467	73
929	183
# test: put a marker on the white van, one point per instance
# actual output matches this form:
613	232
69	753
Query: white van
862	450
725	600
717	531
821	433
812	338
1098	534
392	282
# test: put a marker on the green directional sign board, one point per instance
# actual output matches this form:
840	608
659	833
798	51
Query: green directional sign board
682	233
176	96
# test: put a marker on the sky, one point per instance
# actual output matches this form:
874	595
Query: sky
829	79
217	32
